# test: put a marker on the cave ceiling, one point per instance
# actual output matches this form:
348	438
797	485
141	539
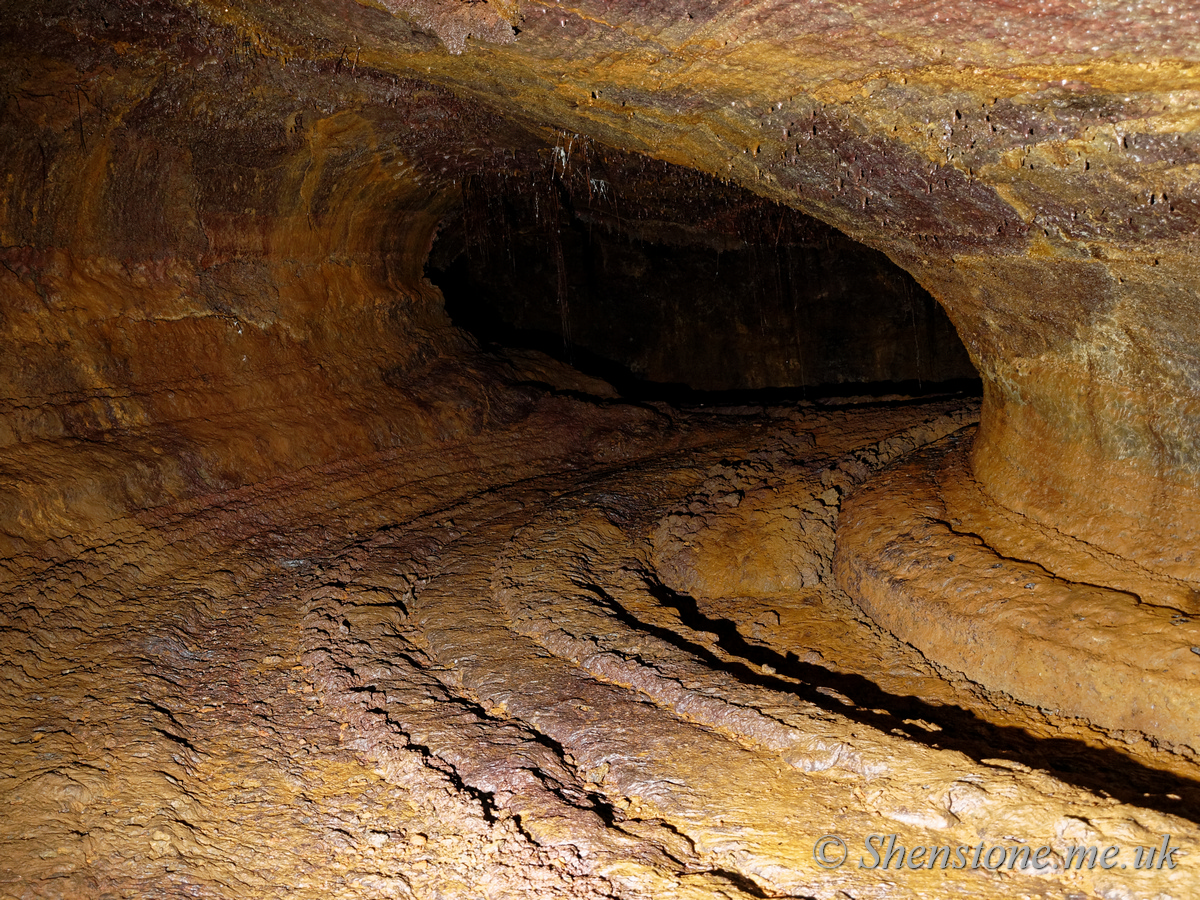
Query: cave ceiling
1031	165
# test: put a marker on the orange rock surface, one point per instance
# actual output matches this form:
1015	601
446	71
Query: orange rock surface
304	592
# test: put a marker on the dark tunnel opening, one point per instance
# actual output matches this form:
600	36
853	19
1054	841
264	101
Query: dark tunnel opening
673	285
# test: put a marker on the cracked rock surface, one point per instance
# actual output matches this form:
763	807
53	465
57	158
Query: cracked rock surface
306	592
495	669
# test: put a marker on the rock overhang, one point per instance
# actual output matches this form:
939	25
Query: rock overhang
194	167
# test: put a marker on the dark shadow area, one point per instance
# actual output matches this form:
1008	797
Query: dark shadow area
861	393
672	285
1101	771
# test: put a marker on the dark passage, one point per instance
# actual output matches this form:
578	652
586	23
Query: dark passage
665	281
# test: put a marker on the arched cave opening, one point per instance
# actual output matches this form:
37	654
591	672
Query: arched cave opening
671	284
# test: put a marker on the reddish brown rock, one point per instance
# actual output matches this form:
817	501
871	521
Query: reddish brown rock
287	561
1031	169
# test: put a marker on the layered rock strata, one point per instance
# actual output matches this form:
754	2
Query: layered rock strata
1018	606
444	673
226	385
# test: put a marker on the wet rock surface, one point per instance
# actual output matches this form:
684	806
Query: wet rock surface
456	673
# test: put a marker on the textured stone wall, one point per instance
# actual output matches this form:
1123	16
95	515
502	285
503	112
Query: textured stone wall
213	266
1030	165
303	594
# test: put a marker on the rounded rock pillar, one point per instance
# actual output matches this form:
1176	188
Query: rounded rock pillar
1091	415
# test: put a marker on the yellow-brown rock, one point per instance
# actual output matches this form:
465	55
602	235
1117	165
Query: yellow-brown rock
306	592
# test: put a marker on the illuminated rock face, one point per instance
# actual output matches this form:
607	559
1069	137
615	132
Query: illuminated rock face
1030	166
213	267
221	358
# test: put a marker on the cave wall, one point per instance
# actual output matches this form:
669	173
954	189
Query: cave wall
213	225
213	265
1032	167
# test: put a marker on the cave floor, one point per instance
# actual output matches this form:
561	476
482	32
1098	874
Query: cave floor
525	665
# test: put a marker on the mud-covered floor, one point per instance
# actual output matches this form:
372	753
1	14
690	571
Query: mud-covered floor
496	668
